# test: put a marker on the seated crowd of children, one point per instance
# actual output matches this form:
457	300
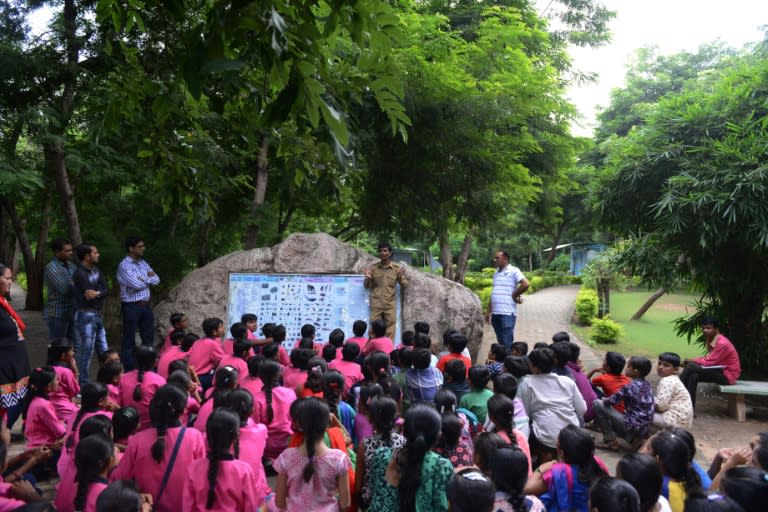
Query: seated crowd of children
358	424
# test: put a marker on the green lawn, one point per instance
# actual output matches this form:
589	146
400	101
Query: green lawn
655	332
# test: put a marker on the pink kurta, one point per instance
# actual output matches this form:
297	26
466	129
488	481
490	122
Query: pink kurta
280	427
319	494
205	355
66	460
252	384
382	344
149	386
138	464
202	416
62	397
293	377
238	363
67	491
170	355
253	440
360	342
351	371
113	394
42	427
236	488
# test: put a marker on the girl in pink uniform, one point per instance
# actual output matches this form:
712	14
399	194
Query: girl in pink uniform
181	380
310	476
237	359
239	331
219	482
41	425
110	375
171	353
206	354
148	453
61	356
137	387
252	382
296	374
94	457
253	438
271	406
226	381
93	397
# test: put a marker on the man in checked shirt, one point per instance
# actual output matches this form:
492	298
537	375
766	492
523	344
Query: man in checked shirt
135	277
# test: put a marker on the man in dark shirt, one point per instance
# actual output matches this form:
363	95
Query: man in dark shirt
90	290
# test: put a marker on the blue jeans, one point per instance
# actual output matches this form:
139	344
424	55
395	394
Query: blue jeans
504	327
90	329
62	328
135	316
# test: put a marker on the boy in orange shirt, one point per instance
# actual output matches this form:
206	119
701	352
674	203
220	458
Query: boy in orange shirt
612	378
456	345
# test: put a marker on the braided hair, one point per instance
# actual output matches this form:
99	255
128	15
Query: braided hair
92	396
109	373
316	367
579	450
222	430
146	359
57	348
377	367
422	425
225	379
269	373
165	409
39	381
508	467
92	459
674	454
96	424
501	411
313	417
240	401
333	387
382	412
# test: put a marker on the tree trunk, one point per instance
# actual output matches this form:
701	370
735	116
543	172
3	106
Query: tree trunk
446	258
283	224
7	241
202	251
259	195
461	267
54	151
33	275
555	243
648	303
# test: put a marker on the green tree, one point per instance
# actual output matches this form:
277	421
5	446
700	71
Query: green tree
694	178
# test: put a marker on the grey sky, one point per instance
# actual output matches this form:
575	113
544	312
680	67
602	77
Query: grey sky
672	26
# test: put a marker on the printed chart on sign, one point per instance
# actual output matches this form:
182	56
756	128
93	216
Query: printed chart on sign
327	301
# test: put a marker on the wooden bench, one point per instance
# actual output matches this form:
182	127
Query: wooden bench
736	393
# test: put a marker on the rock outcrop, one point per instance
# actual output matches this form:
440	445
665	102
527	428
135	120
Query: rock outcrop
440	302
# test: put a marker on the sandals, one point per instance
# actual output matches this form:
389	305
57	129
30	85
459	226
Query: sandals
612	446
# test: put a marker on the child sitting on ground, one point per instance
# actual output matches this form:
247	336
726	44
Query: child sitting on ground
496	356
456	344
379	341
476	401
672	401
456	378
581	380
519	349
422	381
348	366
612	378
635	424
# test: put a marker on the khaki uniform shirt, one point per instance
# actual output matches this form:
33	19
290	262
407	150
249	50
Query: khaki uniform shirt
382	285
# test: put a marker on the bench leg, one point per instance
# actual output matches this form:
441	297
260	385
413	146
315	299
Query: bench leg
737	408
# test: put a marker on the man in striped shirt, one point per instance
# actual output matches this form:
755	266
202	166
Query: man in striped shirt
509	284
135	277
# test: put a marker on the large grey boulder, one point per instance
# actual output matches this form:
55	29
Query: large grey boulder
433	299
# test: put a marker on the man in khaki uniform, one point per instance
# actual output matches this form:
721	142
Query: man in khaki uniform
381	279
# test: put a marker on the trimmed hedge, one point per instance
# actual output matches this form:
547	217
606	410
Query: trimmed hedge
586	307
605	330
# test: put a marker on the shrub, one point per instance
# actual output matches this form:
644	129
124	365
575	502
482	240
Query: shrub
606	330
485	296
586	305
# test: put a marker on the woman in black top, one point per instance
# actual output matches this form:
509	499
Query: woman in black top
14	359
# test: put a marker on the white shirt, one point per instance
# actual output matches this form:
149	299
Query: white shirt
552	402
505	282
